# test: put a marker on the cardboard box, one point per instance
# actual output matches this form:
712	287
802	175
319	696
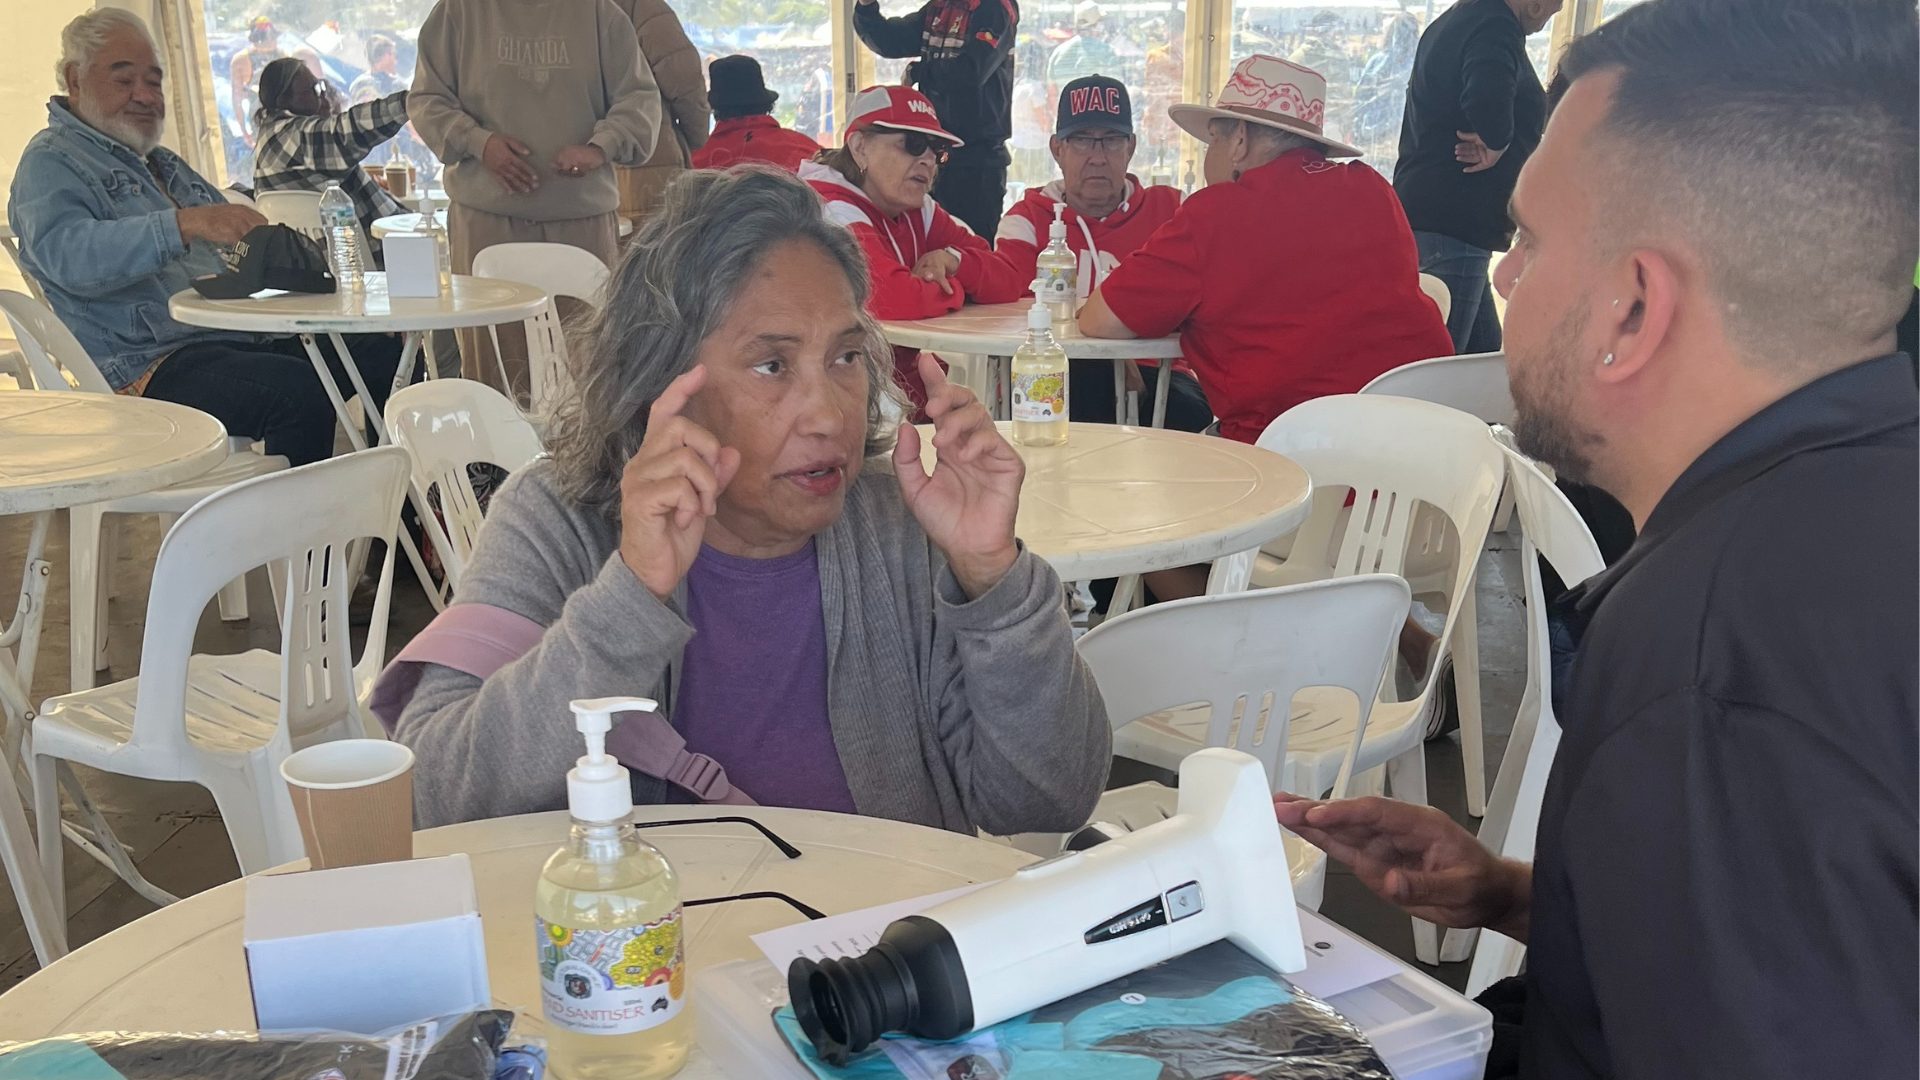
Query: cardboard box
412	269
365	948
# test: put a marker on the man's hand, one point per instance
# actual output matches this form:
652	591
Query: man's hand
1472	151
505	157
1418	858
670	488
578	160
937	266
222	223
967	506
1135	381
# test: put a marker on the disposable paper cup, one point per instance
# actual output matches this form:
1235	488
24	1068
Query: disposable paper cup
399	181
354	799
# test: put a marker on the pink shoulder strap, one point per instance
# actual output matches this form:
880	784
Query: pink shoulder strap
480	639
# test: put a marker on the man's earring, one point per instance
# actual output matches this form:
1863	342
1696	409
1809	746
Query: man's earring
1607	359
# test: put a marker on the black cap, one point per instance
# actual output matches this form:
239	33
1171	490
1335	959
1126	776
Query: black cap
269	257
735	87
1094	101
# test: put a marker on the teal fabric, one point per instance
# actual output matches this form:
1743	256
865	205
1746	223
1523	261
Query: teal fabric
1065	1051
56	1059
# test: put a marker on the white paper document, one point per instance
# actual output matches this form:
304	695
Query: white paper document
1337	961
839	936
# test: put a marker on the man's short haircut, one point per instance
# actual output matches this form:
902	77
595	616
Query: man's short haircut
378	45
1782	139
82	39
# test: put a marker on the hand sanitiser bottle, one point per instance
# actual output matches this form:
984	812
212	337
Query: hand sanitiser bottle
1039	383
613	977
1059	270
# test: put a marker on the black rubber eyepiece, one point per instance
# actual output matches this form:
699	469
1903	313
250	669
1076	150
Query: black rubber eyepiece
912	981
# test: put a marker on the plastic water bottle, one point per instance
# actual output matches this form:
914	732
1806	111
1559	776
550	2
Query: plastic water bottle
1059	269
342	227
1039	383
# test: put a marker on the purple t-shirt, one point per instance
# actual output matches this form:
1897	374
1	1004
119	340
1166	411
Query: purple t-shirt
753	681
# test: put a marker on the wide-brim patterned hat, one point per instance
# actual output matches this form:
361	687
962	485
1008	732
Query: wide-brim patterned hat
1271	91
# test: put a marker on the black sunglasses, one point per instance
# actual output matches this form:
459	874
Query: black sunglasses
916	144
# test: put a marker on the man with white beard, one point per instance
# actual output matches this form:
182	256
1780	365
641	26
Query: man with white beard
111	224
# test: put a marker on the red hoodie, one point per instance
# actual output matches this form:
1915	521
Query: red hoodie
1100	242
754	138
893	245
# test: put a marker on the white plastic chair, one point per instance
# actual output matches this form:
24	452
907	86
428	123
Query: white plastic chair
1249	657
1553	528
226	722
1393	454
300	211
447	425
93	536
561	270
1474	383
1438	291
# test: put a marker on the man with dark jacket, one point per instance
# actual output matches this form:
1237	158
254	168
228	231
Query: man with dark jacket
1474	112
965	67
1715	242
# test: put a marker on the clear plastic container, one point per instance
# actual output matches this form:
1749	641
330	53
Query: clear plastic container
342	228
1039	384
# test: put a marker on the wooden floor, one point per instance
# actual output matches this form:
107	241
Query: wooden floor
180	844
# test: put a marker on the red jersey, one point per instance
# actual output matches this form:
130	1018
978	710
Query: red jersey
754	138
892	246
1101	243
1298	280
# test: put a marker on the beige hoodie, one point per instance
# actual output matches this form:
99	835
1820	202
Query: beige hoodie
550	73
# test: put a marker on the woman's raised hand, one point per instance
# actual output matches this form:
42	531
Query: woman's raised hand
967	506
670	488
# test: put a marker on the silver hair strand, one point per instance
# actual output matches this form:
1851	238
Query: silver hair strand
82	39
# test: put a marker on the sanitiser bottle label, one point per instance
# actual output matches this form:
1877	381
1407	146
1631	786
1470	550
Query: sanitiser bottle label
1056	285
1039	398
612	982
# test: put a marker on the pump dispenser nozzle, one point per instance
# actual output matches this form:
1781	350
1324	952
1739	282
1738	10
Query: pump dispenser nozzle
598	789
1058	230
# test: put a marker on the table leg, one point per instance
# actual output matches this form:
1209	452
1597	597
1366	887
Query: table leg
19	645
1163	388
1119	391
380	431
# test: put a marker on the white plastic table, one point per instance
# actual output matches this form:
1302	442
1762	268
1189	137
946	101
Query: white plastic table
471	302
996	330
410	222
59	450
182	968
1118	501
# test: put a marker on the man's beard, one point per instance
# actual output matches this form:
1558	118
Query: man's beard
1544	427
120	130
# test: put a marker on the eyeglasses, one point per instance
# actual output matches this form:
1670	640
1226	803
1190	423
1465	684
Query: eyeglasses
917	144
1087	144
773	838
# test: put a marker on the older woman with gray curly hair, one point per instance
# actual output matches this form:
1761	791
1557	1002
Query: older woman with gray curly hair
719	528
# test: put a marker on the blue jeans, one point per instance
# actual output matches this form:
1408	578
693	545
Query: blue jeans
1471	322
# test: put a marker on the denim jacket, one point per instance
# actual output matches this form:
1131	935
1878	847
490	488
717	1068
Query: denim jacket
101	238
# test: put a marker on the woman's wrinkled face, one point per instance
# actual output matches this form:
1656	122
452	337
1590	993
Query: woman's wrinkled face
786	387
896	181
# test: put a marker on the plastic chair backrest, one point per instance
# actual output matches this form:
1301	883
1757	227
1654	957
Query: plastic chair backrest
1475	383
1247	655
49	346
1438	291
446	425
561	270
1548	520
300	211
1392	453
298	522
297	210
